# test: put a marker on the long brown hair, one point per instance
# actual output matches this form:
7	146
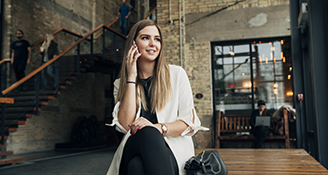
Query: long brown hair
161	83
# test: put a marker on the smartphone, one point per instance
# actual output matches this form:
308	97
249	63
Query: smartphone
134	45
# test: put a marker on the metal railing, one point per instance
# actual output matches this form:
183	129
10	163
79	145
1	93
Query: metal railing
108	46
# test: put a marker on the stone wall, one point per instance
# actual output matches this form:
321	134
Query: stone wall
206	21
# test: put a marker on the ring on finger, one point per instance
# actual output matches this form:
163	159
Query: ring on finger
127	57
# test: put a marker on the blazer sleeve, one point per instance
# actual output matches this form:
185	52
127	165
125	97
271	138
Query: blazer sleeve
186	109
115	121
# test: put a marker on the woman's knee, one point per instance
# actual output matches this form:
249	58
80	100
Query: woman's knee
149	134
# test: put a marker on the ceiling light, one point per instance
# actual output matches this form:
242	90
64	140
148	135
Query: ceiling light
231	53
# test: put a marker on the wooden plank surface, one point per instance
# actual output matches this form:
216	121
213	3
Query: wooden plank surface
269	161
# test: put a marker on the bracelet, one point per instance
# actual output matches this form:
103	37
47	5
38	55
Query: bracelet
131	82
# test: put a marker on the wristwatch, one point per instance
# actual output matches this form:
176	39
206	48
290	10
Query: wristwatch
164	129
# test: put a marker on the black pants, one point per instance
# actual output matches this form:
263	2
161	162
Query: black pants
146	152
260	132
19	68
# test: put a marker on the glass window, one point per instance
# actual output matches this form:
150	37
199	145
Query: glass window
271	70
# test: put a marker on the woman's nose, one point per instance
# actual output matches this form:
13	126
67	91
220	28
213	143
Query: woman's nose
151	42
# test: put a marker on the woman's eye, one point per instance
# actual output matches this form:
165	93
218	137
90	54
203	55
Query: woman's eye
157	39
144	38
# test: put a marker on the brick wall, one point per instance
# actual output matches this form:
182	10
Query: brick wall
36	18
85	97
196	51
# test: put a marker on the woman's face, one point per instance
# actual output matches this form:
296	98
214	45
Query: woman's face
149	43
45	37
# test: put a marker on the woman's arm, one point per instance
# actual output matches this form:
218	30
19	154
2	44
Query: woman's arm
128	107
174	129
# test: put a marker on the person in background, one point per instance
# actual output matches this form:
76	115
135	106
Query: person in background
154	109
48	51
124	14
21	55
260	132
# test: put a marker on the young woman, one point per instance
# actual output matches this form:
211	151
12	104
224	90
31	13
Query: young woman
154	109
48	51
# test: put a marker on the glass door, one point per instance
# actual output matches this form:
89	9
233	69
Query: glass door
272	73
232	77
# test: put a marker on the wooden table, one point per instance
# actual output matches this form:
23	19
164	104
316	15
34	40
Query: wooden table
269	161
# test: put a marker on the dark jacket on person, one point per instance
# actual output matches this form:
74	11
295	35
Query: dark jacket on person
257	113
52	50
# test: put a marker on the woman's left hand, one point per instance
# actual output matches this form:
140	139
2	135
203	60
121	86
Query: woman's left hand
140	123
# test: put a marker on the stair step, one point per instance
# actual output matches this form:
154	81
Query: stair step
32	93
21	110
11	130
20	117
6	153
6	137
14	122
12	160
8	130
29	98
26	104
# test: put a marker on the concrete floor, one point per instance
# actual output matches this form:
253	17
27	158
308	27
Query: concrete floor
63	163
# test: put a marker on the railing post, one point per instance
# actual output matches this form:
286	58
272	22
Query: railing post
3	115
91	50
104	45
5	69
37	82
114	51
1	78
78	60
56	77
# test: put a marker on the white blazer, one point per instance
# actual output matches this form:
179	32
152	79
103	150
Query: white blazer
179	107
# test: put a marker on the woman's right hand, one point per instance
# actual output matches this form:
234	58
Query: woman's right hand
131	63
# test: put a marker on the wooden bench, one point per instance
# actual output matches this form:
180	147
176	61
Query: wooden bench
233	123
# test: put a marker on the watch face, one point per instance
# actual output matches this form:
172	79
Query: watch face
164	128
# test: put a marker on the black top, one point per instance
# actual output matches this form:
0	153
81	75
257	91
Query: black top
20	49
147	114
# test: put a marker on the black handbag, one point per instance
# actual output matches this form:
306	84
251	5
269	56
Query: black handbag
207	162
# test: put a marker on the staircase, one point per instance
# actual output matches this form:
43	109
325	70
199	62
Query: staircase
25	107
30	99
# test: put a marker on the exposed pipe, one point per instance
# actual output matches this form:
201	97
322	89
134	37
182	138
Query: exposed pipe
184	34
148	8
180	33
170	12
